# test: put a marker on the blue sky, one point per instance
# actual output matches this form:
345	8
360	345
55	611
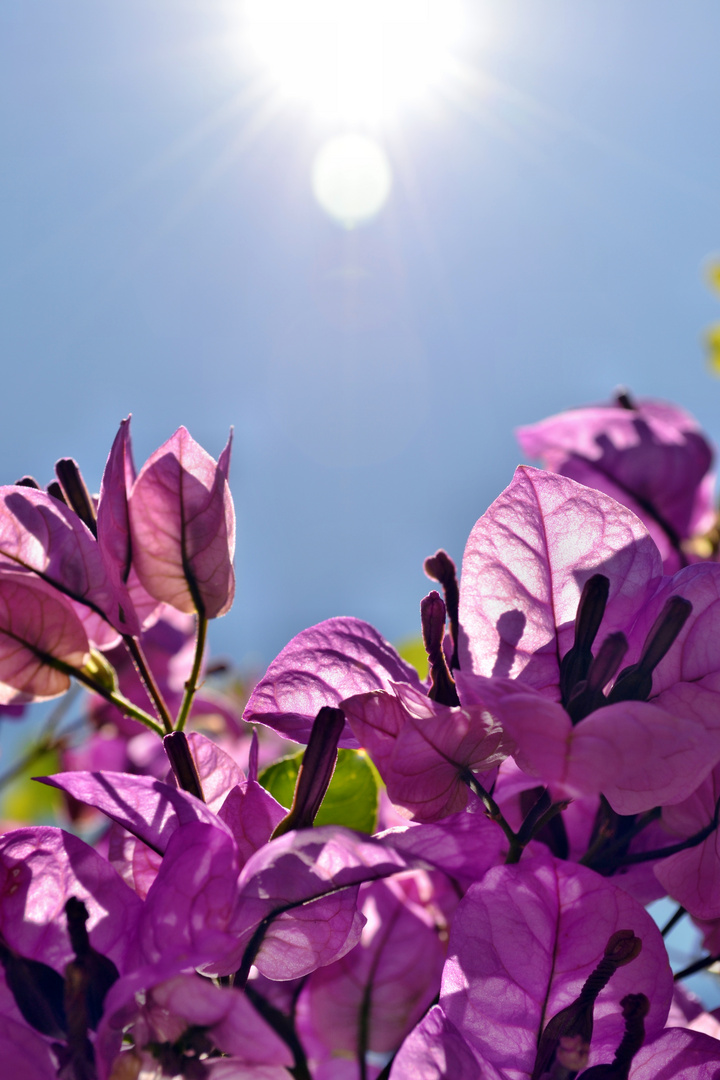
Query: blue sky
163	254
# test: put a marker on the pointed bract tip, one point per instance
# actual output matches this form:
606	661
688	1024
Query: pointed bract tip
224	459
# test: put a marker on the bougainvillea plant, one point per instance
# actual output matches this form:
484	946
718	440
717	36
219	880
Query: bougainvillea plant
449	876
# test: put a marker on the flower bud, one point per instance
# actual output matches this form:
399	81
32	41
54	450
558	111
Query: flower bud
635	682
432	614
316	770
576	663
440	567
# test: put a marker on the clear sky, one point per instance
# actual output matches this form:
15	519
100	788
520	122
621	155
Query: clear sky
554	196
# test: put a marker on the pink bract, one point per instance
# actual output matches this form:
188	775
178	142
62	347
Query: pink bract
37	627
422	749
41	535
652	457
548	922
182	526
325	665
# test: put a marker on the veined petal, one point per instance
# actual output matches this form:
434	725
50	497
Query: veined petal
40	869
325	665
40	534
637	754
112	513
37	626
523	942
651	457
182	525
524	567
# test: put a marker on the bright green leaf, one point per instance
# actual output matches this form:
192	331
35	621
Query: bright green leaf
279	778
24	800
413	650
351	799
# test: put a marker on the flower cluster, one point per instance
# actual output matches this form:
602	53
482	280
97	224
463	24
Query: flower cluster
450	880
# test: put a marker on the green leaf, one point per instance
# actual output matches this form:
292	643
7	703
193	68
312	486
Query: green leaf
413	650
351	799
280	777
25	801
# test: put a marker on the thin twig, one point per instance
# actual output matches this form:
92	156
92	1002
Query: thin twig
494	812
191	685
146	677
673	920
589	858
699	965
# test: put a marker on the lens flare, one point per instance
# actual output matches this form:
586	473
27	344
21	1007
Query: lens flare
351	179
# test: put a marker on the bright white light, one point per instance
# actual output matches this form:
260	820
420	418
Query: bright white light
351	178
354	60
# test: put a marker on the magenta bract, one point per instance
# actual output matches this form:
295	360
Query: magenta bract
422	749
182	527
37	626
112	513
525	566
25	1053
41	868
692	877
549	923
652	457
464	846
163	1011
146	807
40	534
371	998
436	1050
113	525
313	874
325	665
525	563
636	754
678	1055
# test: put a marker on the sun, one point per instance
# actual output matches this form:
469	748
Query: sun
354	61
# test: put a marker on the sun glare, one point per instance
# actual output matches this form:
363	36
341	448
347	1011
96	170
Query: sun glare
354	61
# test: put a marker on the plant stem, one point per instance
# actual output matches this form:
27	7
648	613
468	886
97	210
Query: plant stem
493	811
146	677
595	856
192	684
127	707
699	965
673	921
673	849
285	1028
118	700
